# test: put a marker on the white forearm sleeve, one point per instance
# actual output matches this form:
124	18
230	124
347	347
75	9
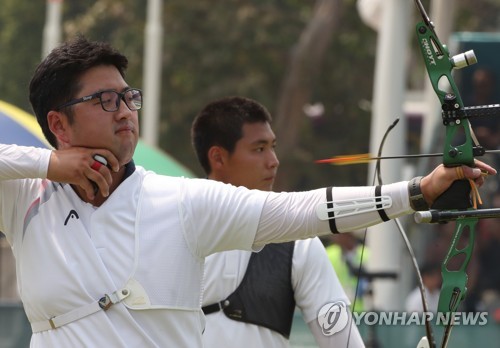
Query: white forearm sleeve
400	205
22	162
290	216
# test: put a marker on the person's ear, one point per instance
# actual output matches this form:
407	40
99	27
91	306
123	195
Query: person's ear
59	126
217	157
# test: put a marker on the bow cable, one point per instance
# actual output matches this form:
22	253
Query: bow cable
377	177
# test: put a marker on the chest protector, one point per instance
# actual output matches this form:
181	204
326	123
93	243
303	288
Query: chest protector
265	295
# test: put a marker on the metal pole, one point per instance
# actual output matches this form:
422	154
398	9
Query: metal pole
52	28
152	72
384	241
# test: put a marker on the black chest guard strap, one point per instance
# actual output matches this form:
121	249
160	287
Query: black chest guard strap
265	296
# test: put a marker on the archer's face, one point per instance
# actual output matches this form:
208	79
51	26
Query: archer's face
253	163
93	127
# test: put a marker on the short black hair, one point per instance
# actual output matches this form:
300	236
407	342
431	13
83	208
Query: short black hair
55	80
221	123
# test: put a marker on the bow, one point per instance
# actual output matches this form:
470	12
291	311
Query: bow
439	67
460	148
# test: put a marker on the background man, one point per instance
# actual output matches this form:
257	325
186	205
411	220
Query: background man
259	291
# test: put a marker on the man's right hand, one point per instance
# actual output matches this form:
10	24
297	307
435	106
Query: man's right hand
74	166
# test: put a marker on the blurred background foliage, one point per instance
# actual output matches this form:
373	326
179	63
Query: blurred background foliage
233	47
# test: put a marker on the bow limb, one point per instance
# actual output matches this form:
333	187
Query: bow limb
428	340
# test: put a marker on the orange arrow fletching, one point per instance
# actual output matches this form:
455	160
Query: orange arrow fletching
345	160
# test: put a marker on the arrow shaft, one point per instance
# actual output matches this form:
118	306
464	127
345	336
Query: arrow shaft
362	159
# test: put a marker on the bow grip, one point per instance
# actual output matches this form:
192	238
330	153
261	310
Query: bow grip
457	196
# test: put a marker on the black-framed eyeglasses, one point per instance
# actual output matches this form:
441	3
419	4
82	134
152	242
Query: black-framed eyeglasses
110	100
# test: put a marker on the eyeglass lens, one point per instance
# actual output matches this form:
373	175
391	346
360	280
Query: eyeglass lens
110	100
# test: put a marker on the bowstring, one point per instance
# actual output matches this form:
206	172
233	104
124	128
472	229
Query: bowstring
378	177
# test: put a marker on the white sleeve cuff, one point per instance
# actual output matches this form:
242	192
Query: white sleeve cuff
23	162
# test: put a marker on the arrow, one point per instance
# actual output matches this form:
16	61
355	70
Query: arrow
365	158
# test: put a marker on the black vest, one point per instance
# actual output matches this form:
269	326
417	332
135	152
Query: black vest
265	295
